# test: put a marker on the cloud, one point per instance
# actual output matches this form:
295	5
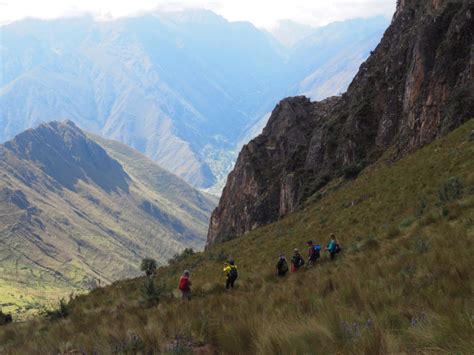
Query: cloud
263	13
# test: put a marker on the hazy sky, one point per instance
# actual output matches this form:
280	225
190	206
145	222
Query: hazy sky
263	13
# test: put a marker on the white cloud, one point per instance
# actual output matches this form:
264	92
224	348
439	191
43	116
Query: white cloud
263	13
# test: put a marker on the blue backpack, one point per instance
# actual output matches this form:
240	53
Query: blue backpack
317	251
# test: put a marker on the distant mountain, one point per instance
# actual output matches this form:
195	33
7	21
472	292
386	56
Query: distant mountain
184	88
328	59
289	33
74	210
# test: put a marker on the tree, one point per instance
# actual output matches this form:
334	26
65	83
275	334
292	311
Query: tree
148	266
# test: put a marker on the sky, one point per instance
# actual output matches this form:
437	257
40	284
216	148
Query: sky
262	13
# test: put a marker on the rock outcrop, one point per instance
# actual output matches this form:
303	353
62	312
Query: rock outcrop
416	86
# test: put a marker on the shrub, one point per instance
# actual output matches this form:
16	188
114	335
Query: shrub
61	312
148	265
421	208
151	294
353	170
5	318
452	189
405	223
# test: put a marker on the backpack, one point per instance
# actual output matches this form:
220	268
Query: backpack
233	274
316	251
183	284
300	261
284	267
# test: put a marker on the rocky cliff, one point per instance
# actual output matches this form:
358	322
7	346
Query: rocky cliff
416	86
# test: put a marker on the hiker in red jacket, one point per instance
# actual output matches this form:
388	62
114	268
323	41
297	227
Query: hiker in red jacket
185	286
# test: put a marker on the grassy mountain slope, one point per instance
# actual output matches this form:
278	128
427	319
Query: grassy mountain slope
71	216
403	283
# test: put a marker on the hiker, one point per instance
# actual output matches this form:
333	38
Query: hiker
313	252
333	247
282	266
230	269
296	261
185	286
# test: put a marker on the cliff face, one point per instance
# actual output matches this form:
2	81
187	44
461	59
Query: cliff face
416	86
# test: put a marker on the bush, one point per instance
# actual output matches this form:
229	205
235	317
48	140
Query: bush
5	318
148	265
421	208
451	190
353	170
61	312
151	294
405	223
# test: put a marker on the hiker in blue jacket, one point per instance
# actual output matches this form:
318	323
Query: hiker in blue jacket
333	247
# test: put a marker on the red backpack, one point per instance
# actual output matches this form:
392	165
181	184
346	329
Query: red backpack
183	283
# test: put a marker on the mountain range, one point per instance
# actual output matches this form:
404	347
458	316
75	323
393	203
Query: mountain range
77	210
184	88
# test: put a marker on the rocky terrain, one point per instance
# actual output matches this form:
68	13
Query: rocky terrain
416	86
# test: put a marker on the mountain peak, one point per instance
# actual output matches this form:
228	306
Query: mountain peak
63	152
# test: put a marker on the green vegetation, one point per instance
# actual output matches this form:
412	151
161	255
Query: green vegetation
148	265
5	318
403	283
61	312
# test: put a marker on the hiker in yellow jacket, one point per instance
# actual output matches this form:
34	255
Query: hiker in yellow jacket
230	270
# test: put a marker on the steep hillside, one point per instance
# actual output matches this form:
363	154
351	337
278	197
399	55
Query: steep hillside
403	283
72	216
416	86
181	87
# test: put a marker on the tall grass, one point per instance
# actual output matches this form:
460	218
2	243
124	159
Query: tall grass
398	287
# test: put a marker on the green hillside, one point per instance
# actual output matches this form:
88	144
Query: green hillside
403	283
73	217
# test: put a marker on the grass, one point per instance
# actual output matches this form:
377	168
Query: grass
403	283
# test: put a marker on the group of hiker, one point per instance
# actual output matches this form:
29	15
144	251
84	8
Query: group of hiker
297	262
314	254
